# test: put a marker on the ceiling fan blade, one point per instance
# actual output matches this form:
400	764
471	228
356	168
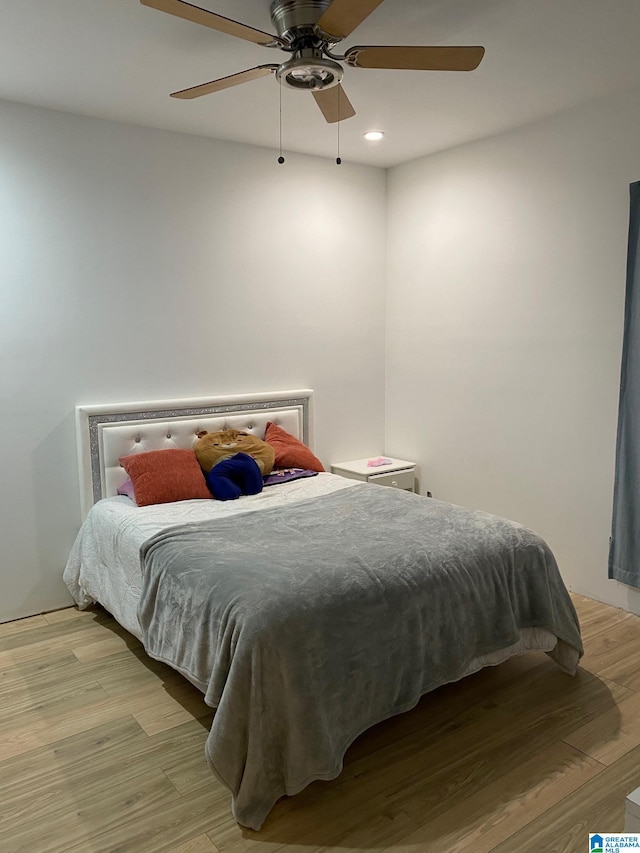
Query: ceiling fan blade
416	58
343	16
189	12
226	82
334	103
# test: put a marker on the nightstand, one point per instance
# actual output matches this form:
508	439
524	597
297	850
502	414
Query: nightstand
399	473
632	814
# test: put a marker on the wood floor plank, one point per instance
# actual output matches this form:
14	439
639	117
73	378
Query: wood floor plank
369	824
19	626
598	806
609	649
188	772
387	826
595	618
513	800
59	723
122	671
18	743
626	670
61	667
111	708
201	844
38	636
28	774
156	719
229	837
31	729
611	735
16	649
85	816
67	614
42	704
180	703
153	829
90	762
89	652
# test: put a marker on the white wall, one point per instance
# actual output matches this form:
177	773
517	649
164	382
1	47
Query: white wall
137	263
506	275
142	264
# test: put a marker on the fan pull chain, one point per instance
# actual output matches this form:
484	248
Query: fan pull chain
338	158
280	158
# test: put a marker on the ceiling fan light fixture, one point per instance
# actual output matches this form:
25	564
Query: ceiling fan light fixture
310	74
373	135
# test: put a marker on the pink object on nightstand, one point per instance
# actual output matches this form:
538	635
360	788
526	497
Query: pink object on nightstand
381	460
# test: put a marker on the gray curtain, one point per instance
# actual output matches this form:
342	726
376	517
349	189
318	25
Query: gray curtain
624	550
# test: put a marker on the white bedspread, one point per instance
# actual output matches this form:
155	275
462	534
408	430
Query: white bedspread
104	564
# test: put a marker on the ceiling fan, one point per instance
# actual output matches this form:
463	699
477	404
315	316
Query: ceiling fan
308	30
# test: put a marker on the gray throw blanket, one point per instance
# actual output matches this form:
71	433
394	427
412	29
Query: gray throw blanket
306	625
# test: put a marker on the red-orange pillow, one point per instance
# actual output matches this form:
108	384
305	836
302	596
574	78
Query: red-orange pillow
162	476
290	453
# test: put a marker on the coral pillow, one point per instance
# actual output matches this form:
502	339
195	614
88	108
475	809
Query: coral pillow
290	453
163	476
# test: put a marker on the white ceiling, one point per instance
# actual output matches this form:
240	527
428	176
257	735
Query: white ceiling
119	60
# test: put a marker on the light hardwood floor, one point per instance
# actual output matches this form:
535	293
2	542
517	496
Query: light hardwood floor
102	749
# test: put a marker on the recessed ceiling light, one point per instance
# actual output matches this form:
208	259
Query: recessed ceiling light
373	135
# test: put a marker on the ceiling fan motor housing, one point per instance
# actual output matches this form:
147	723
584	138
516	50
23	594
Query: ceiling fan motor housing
295	18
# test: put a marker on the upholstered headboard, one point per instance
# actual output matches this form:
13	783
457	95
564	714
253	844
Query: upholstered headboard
107	432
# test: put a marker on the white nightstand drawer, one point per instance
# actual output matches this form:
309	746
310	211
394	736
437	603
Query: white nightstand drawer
397	479
397	473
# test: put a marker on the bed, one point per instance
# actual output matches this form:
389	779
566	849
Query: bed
311	611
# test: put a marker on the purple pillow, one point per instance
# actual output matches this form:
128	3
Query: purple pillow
285	475
126	489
